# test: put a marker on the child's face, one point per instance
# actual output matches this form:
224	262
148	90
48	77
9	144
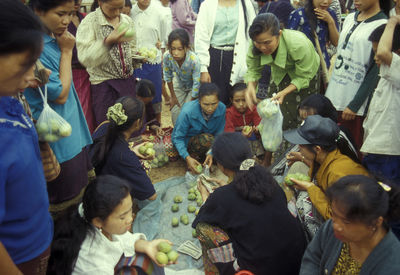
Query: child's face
177	50
322	4
239	102
120	220
126	10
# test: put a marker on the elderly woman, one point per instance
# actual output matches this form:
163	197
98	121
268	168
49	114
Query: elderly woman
357	239
198	123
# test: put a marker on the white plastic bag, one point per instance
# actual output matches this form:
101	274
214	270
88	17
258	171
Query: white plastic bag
161	158
270	126
50	126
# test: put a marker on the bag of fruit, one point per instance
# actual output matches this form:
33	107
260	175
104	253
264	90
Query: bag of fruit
270	126
161	157
169	147
50	126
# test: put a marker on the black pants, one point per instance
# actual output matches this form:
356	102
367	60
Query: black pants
220	70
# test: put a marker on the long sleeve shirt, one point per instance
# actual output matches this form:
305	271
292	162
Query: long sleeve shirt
295	56
183	17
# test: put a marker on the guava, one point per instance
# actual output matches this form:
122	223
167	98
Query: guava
175	222
151	138
129	33
197	211
142	150
164	247
150	152
199	168
246	129
122	27
42	129
54	125
191	190
160	158
191	196
161	258
194	233
65	130
173	256
185	219
166	158
50	138
175	207
178	199
149	145
191	208
199	201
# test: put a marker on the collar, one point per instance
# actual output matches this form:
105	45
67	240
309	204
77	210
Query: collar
47	38
379	15
146	11
198	114
281	55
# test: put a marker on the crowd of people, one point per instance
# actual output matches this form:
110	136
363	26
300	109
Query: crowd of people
332	67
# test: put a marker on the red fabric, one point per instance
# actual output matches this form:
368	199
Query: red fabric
355	128
234	119
82	87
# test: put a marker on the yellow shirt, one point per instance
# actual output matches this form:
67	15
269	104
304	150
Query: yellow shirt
335	166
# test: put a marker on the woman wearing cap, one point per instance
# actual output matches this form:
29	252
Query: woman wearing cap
357	239
327	154
252	211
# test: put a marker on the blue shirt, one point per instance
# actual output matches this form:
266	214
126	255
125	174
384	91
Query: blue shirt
188	75
124	163
26	227
298	21
196	5
68	147
191	123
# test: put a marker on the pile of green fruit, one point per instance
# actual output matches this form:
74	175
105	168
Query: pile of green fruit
297	176
166	254
147	149
194	195
159	161
52	130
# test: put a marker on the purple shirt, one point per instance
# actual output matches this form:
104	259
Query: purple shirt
183	17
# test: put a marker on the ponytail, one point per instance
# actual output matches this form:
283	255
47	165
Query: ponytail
256	184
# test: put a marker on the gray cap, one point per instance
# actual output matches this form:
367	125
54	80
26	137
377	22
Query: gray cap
315	130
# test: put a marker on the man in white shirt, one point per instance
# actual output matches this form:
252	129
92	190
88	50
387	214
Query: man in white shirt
150	33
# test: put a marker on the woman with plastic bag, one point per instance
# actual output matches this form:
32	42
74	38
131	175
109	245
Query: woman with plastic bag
67	189
329	157
26	227
294	66
110	153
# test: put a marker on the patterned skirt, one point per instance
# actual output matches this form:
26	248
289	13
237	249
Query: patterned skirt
140	264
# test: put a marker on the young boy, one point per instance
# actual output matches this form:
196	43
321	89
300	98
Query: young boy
382	133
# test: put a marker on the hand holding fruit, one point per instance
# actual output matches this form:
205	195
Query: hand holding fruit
121	33
155	250
292	157
193	165
144	150
299	181
248	131
66	41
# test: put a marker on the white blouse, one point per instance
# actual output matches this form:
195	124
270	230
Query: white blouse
98	255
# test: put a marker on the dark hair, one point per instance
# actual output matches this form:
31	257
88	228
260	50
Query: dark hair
134	110
181	35
364	200
238	87
94	5
310	14
385	6
322	105
265	22
99	200
256	184
46	5
20	30
376	35
128	3
208	89
145	88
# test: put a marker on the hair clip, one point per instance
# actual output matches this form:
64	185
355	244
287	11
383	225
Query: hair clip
385	187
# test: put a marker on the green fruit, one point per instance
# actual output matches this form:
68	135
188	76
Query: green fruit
142	150
151	138
191	196
199	168
191	208
178	199
246	129
175	222
50	138
65	130
191	190
197	193
129	33
54	125
185	219
164	247
287	179
160	158
175	208
161	258
194	233
199	201
149	145
196	212
166	159
150	152
122	27
303	177
172	256
42	129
